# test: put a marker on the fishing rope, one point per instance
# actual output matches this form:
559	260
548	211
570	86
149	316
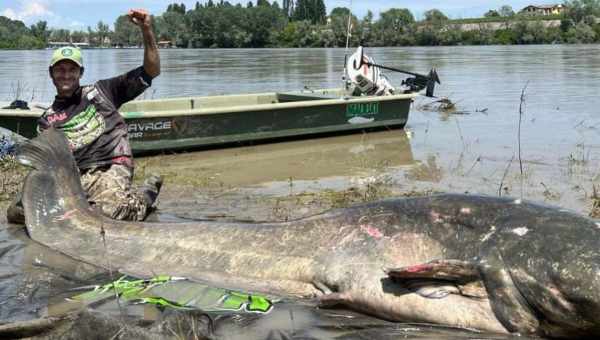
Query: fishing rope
348	27
345	76
110	272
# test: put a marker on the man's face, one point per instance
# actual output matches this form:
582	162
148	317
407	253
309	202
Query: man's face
65	76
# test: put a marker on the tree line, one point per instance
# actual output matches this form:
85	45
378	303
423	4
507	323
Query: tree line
305	23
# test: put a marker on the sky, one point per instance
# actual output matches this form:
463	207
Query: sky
79	14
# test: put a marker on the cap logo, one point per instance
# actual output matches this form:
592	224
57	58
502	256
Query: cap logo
67	52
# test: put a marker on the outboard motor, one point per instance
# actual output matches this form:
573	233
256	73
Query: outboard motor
421	81
366	77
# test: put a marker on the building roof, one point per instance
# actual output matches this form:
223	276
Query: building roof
546	6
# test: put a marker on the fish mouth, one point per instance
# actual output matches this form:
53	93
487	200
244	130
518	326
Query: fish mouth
558	314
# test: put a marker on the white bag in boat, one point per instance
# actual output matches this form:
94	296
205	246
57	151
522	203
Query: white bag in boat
367	79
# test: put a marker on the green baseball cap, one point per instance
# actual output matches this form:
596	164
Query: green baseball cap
67	53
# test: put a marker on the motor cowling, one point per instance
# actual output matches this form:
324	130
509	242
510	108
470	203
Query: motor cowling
366	79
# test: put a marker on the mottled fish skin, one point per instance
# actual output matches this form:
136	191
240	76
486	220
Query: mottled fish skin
513	266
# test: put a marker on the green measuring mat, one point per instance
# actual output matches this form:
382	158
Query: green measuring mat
166	291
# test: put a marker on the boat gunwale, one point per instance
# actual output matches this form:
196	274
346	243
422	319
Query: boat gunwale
264	107
36	112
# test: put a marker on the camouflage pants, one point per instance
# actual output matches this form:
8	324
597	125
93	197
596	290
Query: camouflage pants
110	190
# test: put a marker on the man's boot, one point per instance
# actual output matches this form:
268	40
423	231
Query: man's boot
150	190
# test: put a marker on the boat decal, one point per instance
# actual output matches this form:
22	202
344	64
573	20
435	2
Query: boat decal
360	120
362	109
157	128
180	126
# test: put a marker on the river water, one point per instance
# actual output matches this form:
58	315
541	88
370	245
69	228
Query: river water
548	153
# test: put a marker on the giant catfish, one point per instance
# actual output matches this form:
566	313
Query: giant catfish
494	264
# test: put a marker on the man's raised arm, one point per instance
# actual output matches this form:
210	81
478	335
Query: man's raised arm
143	19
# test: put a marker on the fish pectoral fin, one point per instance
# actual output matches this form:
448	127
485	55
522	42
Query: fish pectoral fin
322	287
439	278
431	289
448	270
334	300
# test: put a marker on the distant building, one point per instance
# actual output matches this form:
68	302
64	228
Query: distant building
55	44
165	44
543	9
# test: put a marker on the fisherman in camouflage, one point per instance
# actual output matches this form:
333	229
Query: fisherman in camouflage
88	116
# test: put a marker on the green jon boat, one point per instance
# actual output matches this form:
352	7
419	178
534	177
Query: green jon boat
194	122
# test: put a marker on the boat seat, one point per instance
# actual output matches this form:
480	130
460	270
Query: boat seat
286	97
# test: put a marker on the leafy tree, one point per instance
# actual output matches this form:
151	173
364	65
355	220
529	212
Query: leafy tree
428	36
505	37
287	37
435	17
337	34
450	36
127	33
340	12
288	8
103	32
92	36
261	22
482	36
581	33
40	31
491	14
178	8
171	26
298	34
397	19
60	35
78	36
577	10
367	29
393	27
27	42
506	11
311	10
530	32
14	34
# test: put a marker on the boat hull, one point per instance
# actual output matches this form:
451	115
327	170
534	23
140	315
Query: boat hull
196	122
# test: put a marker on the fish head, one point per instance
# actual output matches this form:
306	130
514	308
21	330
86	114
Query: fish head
540	264
556	269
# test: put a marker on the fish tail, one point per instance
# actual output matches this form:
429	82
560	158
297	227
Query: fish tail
49	150
52	190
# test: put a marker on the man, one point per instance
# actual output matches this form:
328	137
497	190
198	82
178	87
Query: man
96	131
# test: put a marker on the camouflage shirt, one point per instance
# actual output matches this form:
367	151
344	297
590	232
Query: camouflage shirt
97	133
